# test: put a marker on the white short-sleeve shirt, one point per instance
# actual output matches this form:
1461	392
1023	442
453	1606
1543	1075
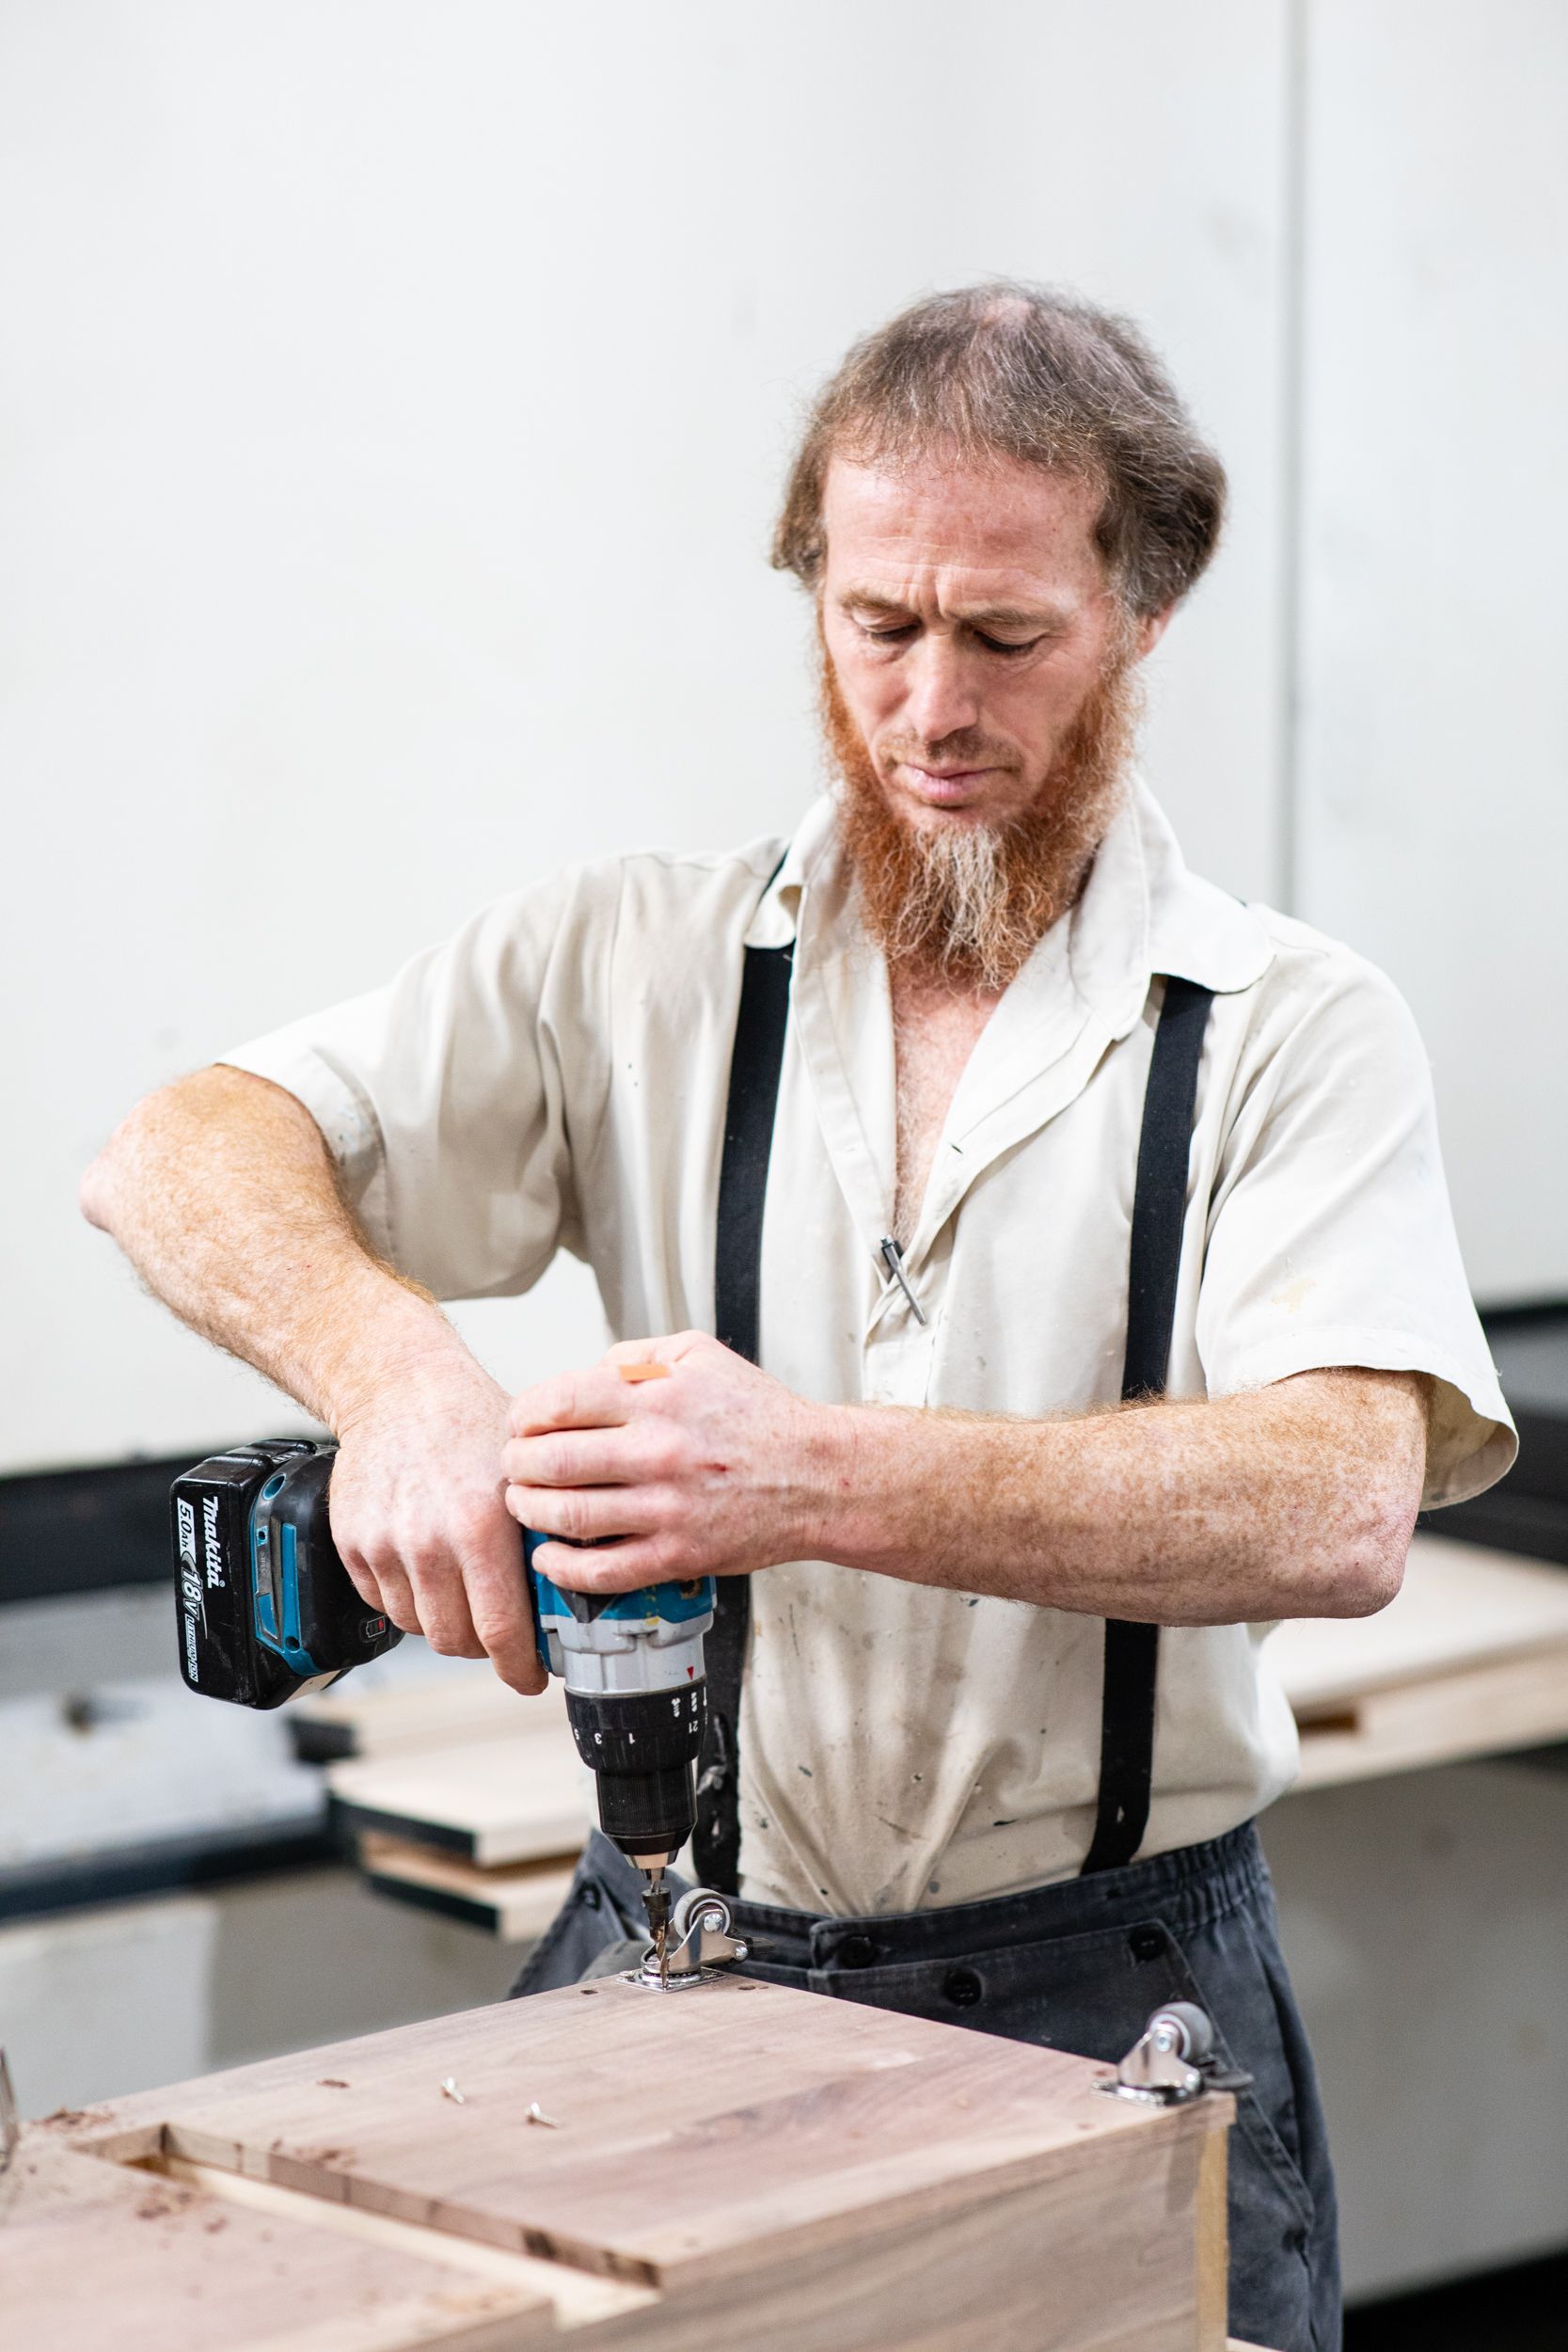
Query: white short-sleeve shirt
555	1077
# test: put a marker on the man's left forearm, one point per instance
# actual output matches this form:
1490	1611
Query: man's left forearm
1296	1499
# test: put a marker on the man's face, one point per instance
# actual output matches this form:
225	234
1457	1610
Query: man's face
968	621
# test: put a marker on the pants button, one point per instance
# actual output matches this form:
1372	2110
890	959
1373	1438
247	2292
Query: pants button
1146	1942
856	1951
962	1987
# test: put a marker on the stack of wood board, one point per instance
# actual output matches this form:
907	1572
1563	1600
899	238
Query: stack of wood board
1470	1660
515	1904
489	1802
453	1700
483	1829
740	2164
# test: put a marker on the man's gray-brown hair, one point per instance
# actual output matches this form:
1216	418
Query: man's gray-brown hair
1013	371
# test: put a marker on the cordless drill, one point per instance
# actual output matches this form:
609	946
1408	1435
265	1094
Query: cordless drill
266	1609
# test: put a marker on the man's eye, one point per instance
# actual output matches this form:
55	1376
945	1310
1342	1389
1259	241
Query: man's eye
1000	644
892	635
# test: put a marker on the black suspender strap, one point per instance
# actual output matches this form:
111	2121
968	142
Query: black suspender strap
755	1067
1159	1212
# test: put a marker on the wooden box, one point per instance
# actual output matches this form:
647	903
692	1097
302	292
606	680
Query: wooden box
735	2166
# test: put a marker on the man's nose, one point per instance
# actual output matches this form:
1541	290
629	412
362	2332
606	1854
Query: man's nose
941	698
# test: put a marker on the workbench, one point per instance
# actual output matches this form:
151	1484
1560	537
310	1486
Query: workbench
735	2166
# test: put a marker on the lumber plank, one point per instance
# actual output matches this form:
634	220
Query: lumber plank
1470	1659
781	2170
491	1802
1510	1703
515	1904
438	1712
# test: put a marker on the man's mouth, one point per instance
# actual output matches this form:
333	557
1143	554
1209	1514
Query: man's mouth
943	787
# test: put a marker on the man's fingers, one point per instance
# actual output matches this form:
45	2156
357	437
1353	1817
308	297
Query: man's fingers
496	1582
585	1515
592	1457
620	1567
396	1596
362	1577
643	1359
598	1399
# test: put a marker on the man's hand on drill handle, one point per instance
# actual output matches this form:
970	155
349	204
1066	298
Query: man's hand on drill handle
419	1517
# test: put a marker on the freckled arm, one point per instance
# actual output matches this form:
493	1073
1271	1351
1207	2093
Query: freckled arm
1296	1499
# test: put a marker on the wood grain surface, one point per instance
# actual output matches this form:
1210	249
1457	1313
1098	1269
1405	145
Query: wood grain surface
94	2255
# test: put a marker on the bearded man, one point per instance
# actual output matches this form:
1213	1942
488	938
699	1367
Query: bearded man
1105	1306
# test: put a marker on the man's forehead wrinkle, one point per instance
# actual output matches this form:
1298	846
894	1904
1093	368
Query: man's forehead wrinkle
1000	611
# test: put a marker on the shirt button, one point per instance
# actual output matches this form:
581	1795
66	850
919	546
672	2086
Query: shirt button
1146	1942
856	1951
962	1987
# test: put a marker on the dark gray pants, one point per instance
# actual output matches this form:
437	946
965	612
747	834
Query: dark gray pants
1079	1966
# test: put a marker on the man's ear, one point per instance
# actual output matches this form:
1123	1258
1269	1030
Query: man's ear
1151	627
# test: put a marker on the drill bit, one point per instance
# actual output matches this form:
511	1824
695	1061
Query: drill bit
656	1901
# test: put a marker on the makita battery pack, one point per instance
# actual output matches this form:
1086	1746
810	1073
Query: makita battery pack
265	1605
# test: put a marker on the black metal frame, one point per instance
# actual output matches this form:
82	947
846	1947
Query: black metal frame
166	1865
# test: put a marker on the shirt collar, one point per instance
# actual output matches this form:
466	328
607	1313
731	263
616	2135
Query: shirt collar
813	843
1141	911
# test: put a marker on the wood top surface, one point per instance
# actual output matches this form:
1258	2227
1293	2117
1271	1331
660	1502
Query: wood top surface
685	2130
95	2254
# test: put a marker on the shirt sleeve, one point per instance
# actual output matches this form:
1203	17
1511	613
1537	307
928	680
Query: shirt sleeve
1331	1241
452	1098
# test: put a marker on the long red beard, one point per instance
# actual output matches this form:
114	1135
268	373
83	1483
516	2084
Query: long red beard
967	905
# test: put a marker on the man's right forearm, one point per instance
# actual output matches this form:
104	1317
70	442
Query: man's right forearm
222	1193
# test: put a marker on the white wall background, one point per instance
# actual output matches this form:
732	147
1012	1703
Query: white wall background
393	397
1433	813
